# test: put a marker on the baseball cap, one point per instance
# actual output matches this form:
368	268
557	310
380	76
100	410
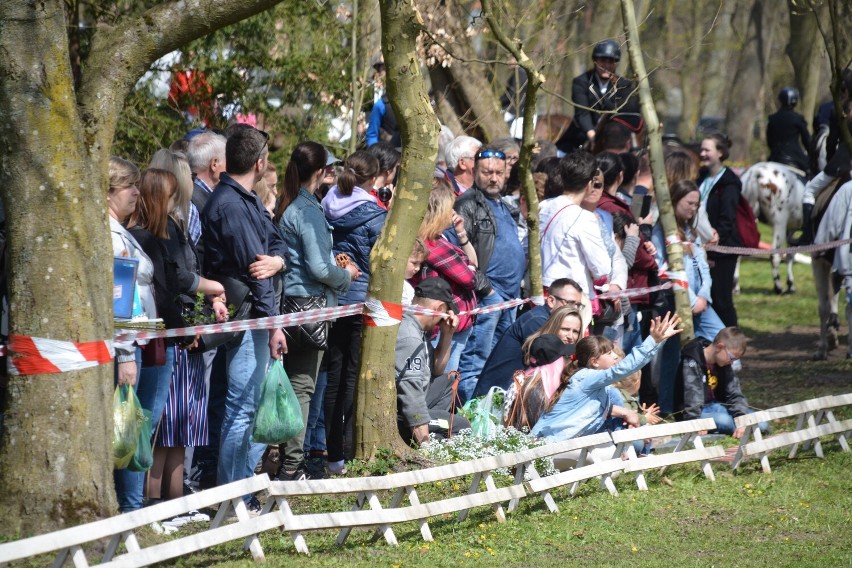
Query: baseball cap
436	289
547	348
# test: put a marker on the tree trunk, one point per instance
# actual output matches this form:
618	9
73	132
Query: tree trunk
479	107
674	250
375	398
748	89
805	49
534	82
690	87
56	445
717	77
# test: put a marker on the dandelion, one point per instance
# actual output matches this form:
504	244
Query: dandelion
482	525
747	485
634	548
456	487
482	537
467	554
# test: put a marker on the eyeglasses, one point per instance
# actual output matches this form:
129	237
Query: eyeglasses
731	358
486	154
597	185
265	144
577	305
512	160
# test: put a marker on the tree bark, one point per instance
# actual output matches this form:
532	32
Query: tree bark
478	105
690	88
375	397
805	48
717	78
674	250
534	82
56	446
749	87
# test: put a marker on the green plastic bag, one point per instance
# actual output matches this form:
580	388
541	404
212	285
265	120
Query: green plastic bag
143	457
125	425
279	415
485	413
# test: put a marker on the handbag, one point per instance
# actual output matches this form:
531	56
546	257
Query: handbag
307	335
238	295
154	353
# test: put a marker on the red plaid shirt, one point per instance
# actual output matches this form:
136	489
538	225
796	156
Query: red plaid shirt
449	262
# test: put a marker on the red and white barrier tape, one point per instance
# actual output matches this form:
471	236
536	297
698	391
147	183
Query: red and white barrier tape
633	292
36	355
285	320
381	314
742	251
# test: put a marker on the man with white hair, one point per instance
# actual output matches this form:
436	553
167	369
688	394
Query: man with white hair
460	162
206	156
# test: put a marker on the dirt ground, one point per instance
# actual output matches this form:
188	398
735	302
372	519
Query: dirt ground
778	368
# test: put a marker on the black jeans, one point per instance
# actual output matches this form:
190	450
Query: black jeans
342	357
722	290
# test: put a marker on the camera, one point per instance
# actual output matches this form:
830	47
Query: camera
384	194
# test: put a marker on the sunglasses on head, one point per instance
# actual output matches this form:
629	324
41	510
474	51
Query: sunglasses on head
486	154
265	143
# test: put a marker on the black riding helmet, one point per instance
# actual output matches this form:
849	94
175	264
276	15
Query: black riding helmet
607	48
789	97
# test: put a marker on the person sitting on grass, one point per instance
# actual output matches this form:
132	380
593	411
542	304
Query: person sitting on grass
424	393
627	395
583	402
708	387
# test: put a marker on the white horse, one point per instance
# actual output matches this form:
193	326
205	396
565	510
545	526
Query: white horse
775	193
836	224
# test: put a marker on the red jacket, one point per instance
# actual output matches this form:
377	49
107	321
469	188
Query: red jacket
644	267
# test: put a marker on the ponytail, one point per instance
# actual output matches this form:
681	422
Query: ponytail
307	158
357	170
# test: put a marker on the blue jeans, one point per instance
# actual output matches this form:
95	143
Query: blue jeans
633	336
247	363
129	485
724	421
456	348
485	333
707	324
153	387
315	433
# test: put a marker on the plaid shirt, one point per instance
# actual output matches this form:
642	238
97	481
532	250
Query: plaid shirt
449	262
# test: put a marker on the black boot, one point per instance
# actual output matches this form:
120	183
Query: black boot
807	226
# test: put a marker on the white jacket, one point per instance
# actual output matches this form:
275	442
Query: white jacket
571	244
836	225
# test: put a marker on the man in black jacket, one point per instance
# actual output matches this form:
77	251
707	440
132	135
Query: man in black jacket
598	89
501	260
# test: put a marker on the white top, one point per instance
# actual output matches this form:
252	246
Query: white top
571	245
407	293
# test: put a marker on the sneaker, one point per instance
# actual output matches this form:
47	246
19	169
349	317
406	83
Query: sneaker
298	475
336	468
252	505
315	468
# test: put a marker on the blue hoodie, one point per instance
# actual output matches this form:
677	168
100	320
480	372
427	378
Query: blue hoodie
356	221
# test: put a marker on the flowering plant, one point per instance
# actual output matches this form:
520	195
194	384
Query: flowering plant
466	446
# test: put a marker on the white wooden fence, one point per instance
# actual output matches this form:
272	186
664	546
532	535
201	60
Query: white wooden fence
816	419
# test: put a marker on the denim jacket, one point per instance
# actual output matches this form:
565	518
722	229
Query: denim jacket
312	270
585	403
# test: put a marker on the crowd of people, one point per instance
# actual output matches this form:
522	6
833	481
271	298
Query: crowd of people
210	218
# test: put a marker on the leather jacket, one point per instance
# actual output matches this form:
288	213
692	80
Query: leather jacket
691	389
481	227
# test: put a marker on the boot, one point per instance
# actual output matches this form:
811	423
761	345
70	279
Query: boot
807	226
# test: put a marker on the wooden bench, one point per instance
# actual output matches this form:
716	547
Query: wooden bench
404	486
122	530
814	419
688	432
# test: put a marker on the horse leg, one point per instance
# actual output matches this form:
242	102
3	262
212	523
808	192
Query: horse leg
737	277
791	286
822	280
775	259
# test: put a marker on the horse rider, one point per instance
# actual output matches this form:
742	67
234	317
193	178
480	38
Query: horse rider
596	90
785	129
